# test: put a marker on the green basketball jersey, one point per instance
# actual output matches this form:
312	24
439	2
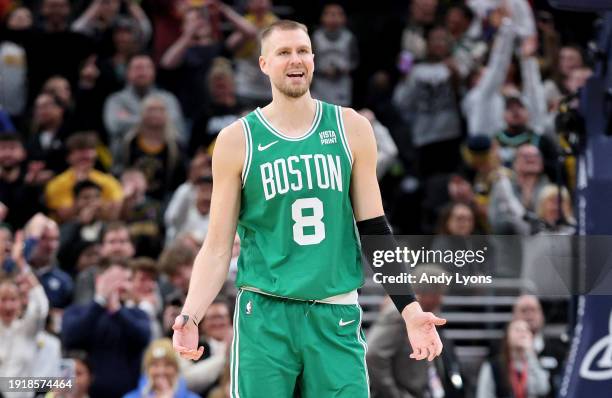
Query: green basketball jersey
296	224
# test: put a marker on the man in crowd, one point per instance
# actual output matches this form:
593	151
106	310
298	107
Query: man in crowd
122	109
59	193
115	243
392	373
113	334
551	352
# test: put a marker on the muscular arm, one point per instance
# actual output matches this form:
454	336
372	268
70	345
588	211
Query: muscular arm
212	262
365	192
367	206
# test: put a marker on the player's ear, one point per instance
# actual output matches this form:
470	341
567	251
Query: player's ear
262	64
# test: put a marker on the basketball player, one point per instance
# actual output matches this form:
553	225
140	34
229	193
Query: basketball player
292	177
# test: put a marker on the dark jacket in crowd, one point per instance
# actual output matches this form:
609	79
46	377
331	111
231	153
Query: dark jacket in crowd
114	343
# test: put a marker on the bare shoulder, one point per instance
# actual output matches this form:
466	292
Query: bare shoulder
230	148
358	131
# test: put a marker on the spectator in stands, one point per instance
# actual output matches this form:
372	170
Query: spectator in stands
23	309
141	214
161	374
59	193
441	190
18	343
20	188
115	243
516	371
13	63
466	50
216	336
222	110
253	87
6	243
48	359
577	79
88	256
554	210
457	219
59	87
189	59
122	109
82	377
190	216
166	18
387	150
90	93
176	263
126	40
113	335
185	194
152	147
98	20
392	372
483	168
223	390
45	144
483	104
519	11
422	16
569	58
512	198
42	243
426	101
551	352
518	133
51	48
145	292
85	225
337	56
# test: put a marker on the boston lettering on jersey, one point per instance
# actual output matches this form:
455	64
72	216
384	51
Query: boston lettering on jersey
303	172
296	225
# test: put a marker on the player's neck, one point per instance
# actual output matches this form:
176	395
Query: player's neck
292	116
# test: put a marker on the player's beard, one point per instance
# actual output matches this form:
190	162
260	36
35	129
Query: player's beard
294	91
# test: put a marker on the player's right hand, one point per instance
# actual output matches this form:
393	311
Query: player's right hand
185	338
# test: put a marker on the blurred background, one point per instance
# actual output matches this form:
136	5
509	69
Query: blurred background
109	111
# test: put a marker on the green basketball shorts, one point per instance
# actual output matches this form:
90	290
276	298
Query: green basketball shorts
284	348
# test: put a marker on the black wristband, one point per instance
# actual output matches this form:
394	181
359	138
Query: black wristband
403	294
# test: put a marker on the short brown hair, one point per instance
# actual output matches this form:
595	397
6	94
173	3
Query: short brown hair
82	140
144	264
111	227
174	256
107	262
282	24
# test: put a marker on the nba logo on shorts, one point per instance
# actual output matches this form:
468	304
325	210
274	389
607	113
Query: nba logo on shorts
249	307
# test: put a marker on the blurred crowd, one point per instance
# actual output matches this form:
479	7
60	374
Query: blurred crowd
109	110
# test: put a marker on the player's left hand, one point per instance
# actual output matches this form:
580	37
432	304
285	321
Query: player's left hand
185	338
422	333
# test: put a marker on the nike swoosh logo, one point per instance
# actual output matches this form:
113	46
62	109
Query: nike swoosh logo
345	323
263	148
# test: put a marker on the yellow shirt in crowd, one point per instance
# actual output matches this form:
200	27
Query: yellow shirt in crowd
59	191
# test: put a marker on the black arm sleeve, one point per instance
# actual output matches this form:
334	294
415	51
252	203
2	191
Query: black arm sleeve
379	226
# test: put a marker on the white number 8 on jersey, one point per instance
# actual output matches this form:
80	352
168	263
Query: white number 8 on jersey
301	221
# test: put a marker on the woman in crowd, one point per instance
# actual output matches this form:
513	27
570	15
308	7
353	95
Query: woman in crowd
153	148
23	309
516	372
161	376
